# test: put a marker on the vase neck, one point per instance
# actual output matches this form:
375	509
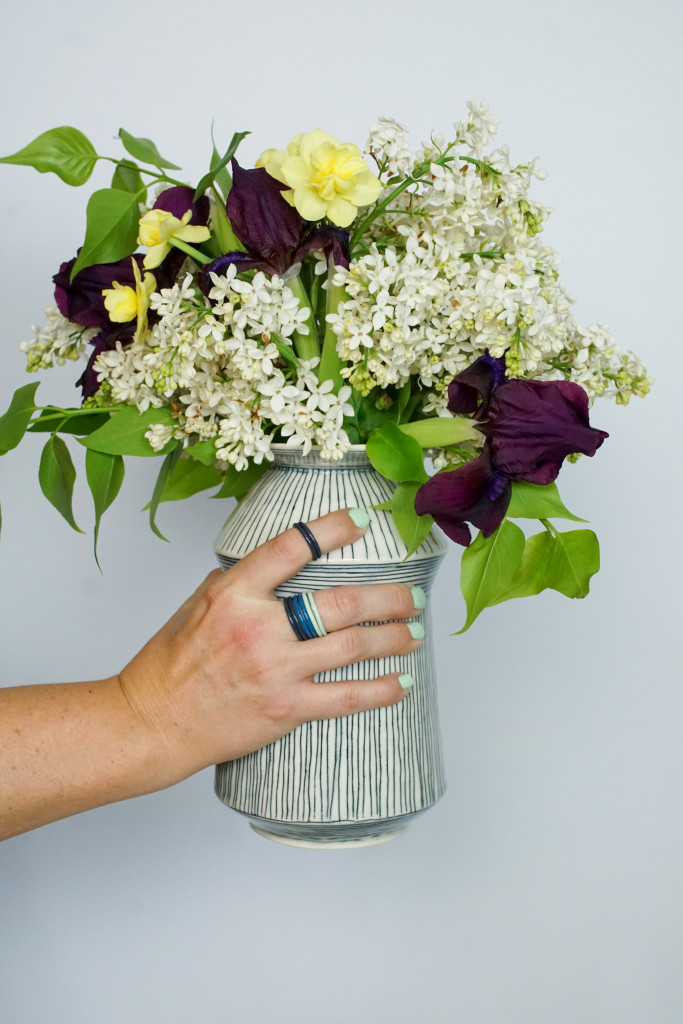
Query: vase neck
355	458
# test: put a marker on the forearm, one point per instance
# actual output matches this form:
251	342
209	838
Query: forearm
68	747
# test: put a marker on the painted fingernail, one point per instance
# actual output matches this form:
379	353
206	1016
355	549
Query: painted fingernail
417	630
419	597
406	681
360	517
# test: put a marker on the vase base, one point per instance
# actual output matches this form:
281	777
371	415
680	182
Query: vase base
329	844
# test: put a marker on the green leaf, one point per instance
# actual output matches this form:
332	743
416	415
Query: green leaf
532	573
396	455
414	529
111	233
104	474
218	165
538	501
124	433
167	467
127	177
489	568
57	475
226	238
49	421
203	451
223	179
64	151
575	558
189	478
285	349
441	431
145	150
17	418
384	507
237	484
402	400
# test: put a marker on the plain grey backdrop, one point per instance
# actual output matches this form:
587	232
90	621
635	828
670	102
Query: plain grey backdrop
545	888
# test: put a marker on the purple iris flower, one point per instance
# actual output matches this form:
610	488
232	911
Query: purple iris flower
274	234
530	427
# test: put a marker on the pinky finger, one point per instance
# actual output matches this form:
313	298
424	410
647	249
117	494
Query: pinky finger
334	700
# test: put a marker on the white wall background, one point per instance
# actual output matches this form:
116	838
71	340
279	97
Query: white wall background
546	886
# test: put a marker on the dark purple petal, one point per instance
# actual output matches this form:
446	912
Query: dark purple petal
332	240
243	261
478	381
533	426
475	493
263	221
179	199
81	301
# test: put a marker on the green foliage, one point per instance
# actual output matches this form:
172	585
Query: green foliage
441	431
104	474
237	484
127	177
413	528
396	455
203	451
17	418
124	433
488	568
505	566
64	151
538	501
52	418
218	164
189	477
167	468
56	475
145	151
111	233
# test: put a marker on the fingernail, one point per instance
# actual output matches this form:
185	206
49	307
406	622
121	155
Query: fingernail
419	597
406	681
360	517
417	630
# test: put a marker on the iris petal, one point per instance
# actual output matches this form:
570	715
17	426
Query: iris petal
475	493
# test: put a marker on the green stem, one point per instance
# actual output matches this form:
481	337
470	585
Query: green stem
190	250
549	527
306	346
67	414
330	360
143	170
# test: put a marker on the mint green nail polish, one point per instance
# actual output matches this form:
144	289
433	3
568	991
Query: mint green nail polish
406	681
360	517
419	597
417	630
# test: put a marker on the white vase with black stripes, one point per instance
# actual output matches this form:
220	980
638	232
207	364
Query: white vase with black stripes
362	779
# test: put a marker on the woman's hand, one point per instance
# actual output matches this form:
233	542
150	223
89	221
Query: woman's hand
227	675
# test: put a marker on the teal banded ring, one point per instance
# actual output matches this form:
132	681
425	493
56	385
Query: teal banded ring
304	617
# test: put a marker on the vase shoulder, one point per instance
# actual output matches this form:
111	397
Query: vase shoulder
300	488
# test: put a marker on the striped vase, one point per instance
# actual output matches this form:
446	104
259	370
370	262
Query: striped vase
358	780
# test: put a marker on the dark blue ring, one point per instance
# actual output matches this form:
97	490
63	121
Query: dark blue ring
307	534
293	621
304	617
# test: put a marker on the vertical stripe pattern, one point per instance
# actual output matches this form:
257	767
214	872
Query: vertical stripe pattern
362	778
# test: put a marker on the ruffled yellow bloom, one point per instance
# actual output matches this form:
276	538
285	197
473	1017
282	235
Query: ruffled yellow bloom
157	227
326	178
124	303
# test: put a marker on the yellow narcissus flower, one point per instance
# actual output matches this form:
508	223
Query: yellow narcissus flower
124	303
326	178
157	227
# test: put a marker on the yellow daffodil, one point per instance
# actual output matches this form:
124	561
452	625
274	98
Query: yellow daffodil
158	227
326	178
124	303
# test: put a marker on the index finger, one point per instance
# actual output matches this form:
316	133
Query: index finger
276	561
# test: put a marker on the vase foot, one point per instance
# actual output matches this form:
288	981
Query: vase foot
329	844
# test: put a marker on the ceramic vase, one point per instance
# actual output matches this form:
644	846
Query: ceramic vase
361	779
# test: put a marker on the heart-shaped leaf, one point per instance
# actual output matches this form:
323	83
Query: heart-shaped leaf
64	151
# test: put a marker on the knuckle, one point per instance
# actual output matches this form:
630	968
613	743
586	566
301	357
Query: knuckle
347	604
352	699
352	643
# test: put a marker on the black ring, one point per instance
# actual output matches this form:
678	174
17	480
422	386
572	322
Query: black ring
293	621
310	539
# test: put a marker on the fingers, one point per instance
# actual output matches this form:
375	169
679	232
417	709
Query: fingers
334	700
357	643
285	555
347	606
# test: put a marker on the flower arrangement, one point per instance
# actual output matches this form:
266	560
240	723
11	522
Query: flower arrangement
324	298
